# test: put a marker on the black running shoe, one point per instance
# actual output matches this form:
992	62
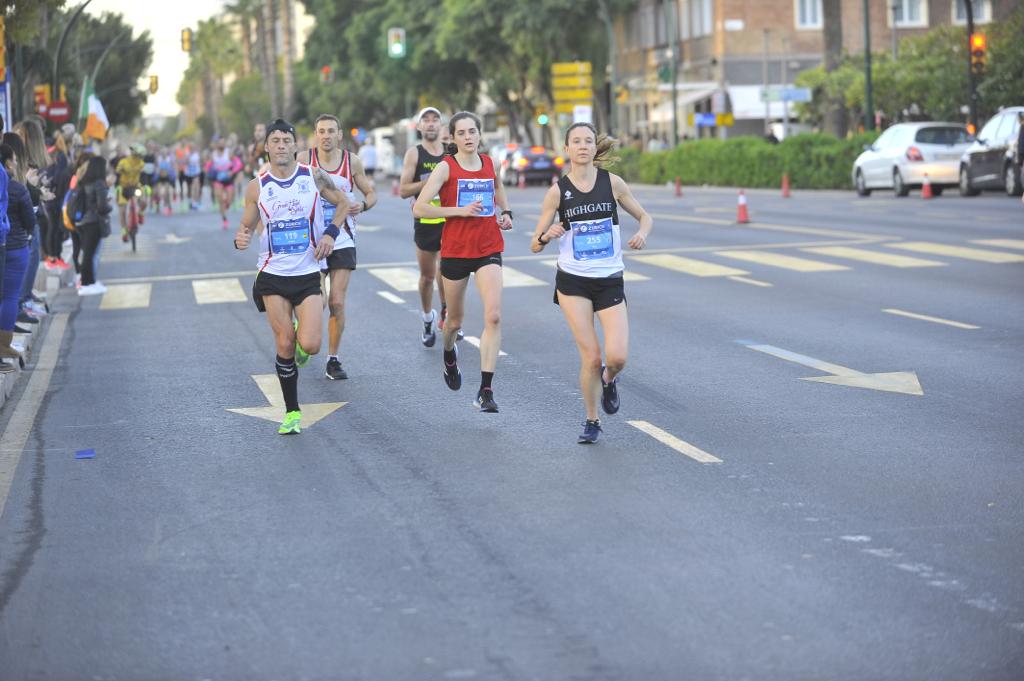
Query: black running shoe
429	336
451	373
26	318
334	370
591	431
485	401
609	395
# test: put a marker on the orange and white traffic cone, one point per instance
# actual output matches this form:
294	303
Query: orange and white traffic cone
522	181
785	185
926	188
679	188
742	214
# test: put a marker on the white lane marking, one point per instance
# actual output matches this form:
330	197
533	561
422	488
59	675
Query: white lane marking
681	446
12	442
752	282
627	275
474	341
403	279
927	318
390	297
125	296
209	291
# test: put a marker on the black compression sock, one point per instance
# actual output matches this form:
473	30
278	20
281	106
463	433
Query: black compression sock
485	379
449	356
288	375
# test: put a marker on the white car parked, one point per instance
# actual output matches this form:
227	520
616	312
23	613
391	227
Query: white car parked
905	153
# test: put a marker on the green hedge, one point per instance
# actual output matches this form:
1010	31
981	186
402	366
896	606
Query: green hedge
813	161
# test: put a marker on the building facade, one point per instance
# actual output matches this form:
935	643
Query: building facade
727	51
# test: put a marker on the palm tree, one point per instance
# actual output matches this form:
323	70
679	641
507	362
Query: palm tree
243	12
217	55
266	27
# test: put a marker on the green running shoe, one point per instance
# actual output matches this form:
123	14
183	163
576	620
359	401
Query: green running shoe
291	425
301	356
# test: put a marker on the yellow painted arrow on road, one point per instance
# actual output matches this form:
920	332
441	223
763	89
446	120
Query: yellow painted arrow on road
271	389
904	382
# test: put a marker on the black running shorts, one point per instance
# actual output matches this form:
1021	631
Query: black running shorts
293	289
427	236
603	292
460	268
342	259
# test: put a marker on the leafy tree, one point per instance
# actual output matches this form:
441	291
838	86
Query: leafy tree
1003	82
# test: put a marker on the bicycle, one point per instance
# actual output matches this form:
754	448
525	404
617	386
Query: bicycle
132	218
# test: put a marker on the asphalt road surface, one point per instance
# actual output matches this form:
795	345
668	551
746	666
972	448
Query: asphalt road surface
816	472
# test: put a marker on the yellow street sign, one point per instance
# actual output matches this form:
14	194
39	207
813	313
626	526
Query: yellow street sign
572	81
570	68
567	107
573	95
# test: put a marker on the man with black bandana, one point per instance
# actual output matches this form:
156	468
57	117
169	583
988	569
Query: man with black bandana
285	202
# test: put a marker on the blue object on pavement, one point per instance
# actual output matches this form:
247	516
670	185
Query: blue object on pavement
85	454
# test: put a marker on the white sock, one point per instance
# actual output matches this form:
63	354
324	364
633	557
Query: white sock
330	357
428	316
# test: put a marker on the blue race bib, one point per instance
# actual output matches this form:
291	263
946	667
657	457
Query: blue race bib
477	190
328	208
592	239
289	236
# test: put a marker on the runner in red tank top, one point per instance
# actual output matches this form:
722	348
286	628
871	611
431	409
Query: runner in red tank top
475	209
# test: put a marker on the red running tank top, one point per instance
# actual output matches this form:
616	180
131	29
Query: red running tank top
468	237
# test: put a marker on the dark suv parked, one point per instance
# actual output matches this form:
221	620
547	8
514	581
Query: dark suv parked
991	162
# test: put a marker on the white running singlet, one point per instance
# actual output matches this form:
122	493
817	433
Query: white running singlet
293	223
342	179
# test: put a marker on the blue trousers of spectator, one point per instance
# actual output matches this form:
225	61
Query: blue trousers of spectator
33	267
16	263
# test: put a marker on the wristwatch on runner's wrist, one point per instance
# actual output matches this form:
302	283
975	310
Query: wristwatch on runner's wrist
508	213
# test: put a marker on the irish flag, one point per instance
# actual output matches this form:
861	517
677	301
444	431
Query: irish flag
91	110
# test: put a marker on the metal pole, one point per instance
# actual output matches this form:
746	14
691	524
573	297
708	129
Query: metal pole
972	82
895	38
869	104
764	80
785	86
674	42
106	51
55	83
613	107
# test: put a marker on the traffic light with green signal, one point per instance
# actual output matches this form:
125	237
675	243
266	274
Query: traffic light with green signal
396	43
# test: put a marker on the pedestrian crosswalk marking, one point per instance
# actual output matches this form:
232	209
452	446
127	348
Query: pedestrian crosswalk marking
626	275
874	257
964	252
512	278
390	297
1001	243
208	291
786	262
402	279
681	446
124	296
697	268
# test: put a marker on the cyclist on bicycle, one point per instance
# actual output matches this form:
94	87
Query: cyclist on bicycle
129	171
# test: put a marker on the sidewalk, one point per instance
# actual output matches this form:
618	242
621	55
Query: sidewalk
51	283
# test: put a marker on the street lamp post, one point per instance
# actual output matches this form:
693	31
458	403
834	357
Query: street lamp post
869	104
972	81
55	83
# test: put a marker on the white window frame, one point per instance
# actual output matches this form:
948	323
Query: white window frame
810	26
701	18
985	6
902	23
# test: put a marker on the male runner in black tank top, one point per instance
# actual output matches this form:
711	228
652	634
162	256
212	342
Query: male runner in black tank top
416	168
